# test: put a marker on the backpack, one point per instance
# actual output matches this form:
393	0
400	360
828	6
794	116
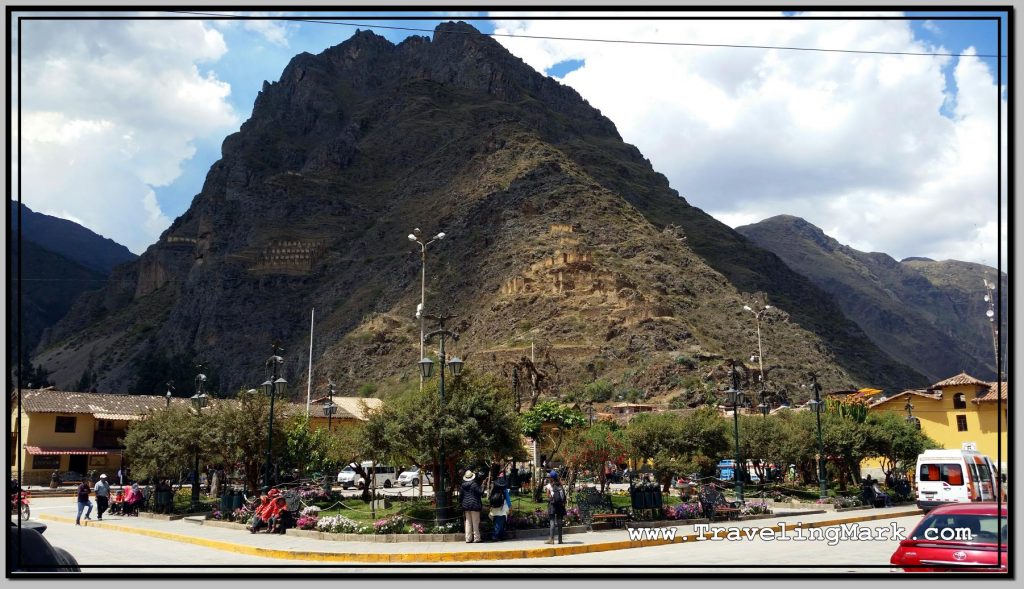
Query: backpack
557	496
497	498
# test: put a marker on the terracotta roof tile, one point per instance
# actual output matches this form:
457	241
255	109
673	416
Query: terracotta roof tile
961	379
52	401
990	394
918	392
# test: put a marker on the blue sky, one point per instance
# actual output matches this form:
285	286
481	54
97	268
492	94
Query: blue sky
676	97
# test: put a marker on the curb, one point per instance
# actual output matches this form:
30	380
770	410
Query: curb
413	557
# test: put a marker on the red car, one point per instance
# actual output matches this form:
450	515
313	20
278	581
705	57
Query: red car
956	537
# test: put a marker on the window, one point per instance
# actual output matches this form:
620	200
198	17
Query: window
946	473
105	425
45	462
959	401
961	423
65	425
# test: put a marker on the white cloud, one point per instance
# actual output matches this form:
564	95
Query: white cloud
275	32
854	142
110	110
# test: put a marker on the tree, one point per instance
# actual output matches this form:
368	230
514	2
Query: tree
592	448
895	441
164	444
240	434
547	423
677	444
759	442
306	449
477	424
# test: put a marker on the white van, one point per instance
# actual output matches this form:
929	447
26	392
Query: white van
954	476
384	475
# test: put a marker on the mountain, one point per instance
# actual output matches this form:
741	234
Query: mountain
61	260
561	238
69	239
927	314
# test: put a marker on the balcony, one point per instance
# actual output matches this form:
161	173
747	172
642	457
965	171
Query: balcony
107	439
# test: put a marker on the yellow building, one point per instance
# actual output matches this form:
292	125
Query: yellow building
957	411
69	431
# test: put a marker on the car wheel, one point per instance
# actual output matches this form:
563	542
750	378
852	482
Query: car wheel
361	485
415	482
387	484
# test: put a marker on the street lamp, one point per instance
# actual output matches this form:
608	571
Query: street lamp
909	408
764	406
417	237
170	387
817	406
760	354
990	298
273	387
198	402
329	407
735	398
426	368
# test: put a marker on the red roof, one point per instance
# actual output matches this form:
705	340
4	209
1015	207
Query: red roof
961	379
56	451
990	395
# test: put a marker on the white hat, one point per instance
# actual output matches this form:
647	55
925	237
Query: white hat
103	476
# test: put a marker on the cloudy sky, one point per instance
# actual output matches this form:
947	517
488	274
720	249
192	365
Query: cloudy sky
121	119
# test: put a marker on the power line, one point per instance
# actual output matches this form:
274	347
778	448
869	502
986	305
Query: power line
596	40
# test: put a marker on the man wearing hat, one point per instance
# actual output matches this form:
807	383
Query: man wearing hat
472	504
102	491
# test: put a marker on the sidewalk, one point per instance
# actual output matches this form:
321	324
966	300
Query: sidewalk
310	549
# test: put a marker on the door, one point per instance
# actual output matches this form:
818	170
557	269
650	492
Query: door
78	463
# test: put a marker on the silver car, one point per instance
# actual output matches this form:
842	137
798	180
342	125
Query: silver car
411	478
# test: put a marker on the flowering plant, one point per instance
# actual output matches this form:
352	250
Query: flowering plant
217	514
851	501
306	522
311	511
418	528
447	528
242	514
684	511
389	525
339	524
755	509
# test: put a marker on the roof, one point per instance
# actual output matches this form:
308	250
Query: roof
102	405
56	451
918	392
632	405
990	395
961	379
351	405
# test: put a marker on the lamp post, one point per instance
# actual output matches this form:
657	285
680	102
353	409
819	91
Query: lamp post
590	411
990	298
170	387
735	398
909	408
764	406
426	368
816	406
198	402
417	237
276	385
760	355
329	407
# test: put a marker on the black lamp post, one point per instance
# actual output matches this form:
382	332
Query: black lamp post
764	406
329	407
909	407
198	402
170	387
817	405
276	385
735	398
426	368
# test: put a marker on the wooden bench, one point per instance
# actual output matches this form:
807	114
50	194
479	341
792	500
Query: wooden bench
713	504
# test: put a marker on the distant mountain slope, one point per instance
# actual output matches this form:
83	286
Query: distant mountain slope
61	260
929	315
70	240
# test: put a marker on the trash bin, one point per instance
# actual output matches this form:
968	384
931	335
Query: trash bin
658	499
236	500
635	499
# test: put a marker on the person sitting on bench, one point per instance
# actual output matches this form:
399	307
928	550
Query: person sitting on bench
881	495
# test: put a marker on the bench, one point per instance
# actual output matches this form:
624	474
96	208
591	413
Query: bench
713	504
595	506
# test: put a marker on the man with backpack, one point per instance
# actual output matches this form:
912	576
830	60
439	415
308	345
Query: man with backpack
556	506
500	501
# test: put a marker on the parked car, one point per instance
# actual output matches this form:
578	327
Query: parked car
411	478
954	476
384	475
348	478
954	537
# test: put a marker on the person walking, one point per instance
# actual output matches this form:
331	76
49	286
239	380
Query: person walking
83	503
102	491
556	506
501	503
472	504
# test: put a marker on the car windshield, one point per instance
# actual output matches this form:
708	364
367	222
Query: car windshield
348	469
962	527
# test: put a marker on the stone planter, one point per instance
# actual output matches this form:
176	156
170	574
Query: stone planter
857	508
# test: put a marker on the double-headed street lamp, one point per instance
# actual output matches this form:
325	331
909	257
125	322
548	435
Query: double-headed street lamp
275	385
329	407
735	398
426	368
760	353
990	298
817	405
418	238
909	408
198	402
